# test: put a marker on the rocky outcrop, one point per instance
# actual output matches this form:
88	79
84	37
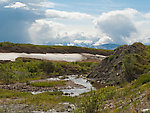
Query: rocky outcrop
114	69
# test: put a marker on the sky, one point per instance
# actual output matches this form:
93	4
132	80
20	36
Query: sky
94	22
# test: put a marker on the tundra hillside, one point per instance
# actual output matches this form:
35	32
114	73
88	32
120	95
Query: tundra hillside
6	47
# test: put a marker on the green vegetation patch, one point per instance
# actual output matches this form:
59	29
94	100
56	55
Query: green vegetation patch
115	99
4	93
143	79
48	83
25	69
136	63
111	57
43	101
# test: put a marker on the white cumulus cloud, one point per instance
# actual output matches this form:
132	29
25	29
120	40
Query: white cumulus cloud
124	26
47	31
17	5
104	39
43	4
2	1
83	41
118	25
67	15
43	31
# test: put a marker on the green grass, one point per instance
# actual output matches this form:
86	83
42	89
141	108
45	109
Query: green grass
143	79
4	93
43	101
24	69
95	100
48	84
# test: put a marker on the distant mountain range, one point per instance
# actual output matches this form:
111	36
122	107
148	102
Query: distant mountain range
107	46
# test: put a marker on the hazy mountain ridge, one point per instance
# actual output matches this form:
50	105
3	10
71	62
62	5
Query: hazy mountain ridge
91	45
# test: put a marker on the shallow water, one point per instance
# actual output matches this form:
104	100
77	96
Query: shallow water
78	91
73	91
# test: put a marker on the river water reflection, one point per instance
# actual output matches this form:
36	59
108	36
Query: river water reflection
78	91
74	91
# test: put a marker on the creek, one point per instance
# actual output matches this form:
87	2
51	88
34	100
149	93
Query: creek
73	91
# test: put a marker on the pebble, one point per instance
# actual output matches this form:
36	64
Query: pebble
145	110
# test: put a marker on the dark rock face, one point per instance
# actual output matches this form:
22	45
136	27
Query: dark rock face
112	70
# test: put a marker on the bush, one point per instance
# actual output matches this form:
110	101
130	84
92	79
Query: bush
93	102
133	66
90	103
47	67
143	79
111	57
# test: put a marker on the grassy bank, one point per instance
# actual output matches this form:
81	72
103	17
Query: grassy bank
48	84
131	98
43	101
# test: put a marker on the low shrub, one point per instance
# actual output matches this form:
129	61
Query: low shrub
111	57
143	79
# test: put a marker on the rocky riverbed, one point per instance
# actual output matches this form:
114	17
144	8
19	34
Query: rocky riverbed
73	86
